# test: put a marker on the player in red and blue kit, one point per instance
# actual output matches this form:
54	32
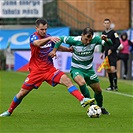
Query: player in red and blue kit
41	68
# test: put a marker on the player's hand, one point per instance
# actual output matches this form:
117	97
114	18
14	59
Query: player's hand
71	49
104	37
52	54
55	39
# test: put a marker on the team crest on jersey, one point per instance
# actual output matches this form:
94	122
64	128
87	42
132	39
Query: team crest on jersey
27	79
77	73
116	35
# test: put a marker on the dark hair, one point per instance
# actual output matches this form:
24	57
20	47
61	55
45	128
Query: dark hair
40	21
88	31
107	19
124	34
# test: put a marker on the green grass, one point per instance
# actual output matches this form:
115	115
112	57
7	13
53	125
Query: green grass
54	110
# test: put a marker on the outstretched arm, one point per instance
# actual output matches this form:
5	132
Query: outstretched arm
61	48
65	49
42	42
106	41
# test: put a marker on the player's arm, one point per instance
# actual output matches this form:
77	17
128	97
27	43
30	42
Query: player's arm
105	40
63	39
41	42
65	49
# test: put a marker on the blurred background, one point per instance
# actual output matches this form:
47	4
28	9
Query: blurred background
65	17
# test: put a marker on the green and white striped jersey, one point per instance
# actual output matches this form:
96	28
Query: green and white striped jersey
82	56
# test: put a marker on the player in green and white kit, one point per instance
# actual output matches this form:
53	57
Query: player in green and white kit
81	67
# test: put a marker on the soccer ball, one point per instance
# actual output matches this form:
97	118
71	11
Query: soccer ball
94	111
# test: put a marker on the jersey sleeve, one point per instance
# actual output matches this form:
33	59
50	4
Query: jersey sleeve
116	41
33	38
102	42
65	39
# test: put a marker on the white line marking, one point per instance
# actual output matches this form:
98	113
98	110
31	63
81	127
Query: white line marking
119	93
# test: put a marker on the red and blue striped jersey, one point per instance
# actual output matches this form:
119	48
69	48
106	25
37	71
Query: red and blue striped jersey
39	55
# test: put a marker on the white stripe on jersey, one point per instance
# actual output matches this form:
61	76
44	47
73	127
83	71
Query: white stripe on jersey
81	66
86	58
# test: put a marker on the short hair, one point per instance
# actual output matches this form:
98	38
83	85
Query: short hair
107	19
88	31
40	21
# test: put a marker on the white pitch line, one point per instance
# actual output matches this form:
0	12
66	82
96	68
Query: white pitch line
119	93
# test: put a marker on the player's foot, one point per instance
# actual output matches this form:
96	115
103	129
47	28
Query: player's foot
116	88
6	113
110	88
87	101
104	111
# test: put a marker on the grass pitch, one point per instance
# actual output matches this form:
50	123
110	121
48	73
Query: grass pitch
54	110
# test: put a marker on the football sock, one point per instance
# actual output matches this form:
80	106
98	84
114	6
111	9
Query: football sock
99	99
75	92
111	79
115	78
84	90
14	104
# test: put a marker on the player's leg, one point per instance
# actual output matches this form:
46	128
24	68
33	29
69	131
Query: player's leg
112	72
74	91
98	96
93	81
97	93
16	101
78	77
63	79
82	85
25	89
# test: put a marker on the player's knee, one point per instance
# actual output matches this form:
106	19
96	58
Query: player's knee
81	83
68	82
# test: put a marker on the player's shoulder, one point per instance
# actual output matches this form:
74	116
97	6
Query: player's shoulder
33	37
115	33
96	37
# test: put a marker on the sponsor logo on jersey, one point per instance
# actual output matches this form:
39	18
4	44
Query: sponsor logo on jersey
46	45
27	79
116	35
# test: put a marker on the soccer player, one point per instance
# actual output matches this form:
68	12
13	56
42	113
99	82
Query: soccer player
42	69
81	67
111	52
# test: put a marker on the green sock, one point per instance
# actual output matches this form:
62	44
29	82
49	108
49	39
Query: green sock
99	99
84	90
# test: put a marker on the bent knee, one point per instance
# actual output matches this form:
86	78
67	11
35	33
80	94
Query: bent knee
66	81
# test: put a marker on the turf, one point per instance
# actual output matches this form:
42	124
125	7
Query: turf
54	110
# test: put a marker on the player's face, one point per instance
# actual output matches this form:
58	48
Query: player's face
107	25
41	29
85	39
